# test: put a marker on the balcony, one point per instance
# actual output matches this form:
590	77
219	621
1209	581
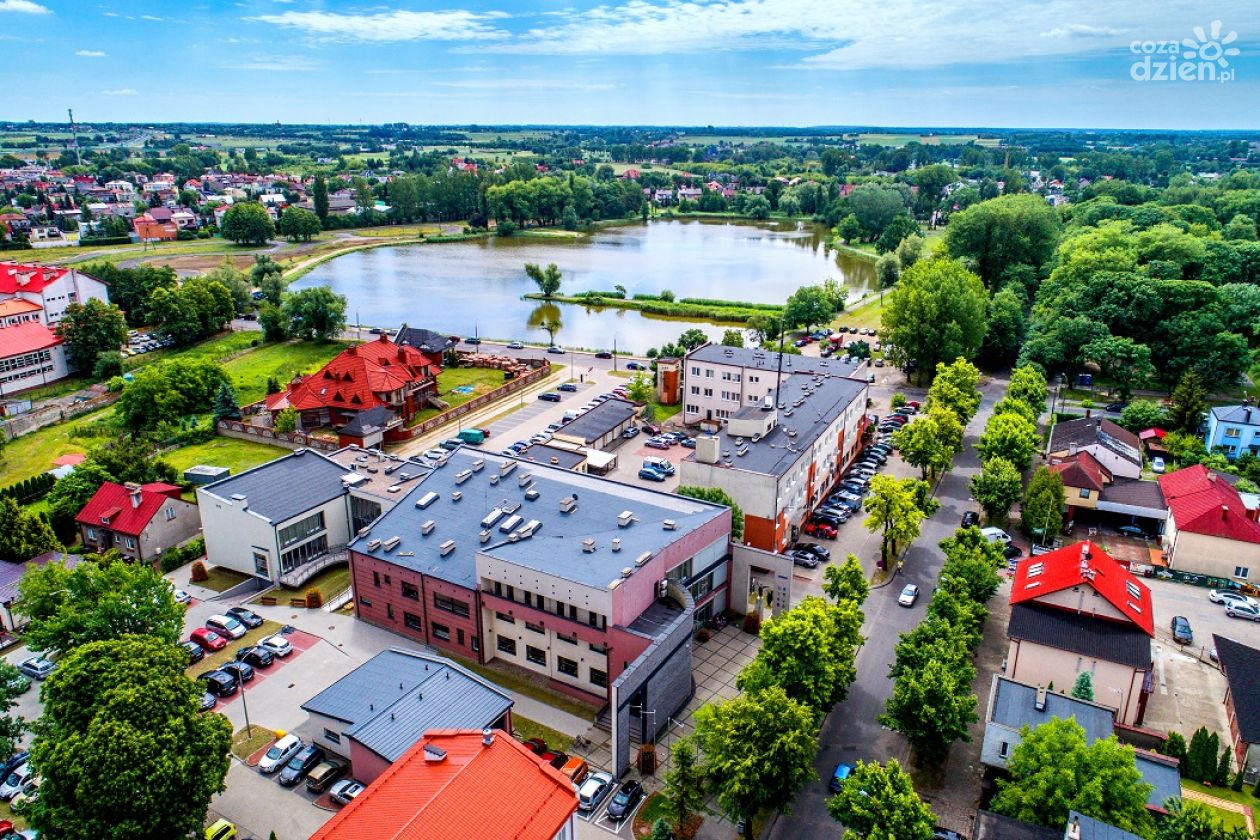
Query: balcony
299	575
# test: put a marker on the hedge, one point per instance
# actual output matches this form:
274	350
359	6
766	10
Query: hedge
105	240
173	558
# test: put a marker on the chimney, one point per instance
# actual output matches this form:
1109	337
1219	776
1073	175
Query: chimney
1072	448
1040	703
1211	476
1073	829
487	737
133	490
1224	511
707	449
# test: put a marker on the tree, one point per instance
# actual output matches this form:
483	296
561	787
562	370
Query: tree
108	365
849	229
956	387
1041	512
921	446
874	207
846	582
1189	404
89	329
878	802
95	601
758	751
286	420
1084	687
1200	763
167	392
271	319
887	270
757	207
973	560
733	338
763	328
684	783
1190	820
1028	385
117	712
640	388
720	497
1010	436
997	488
248	223
901	227
809	306
12	727
320	198
660	831
1006	328
1053	771
317	313
225	405
235	281
910	250
936	312
893	511
1002	234
547	279
299	225
1125	361
23	534
932	708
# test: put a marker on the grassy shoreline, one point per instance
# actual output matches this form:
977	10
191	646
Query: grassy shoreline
714	313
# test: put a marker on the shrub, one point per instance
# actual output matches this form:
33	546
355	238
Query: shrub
109	363
898	400
314	599
199	573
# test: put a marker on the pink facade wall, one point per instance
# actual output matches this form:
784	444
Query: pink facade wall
637	592
387	597
365	764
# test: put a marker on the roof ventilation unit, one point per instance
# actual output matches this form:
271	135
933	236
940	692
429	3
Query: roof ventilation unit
568	503
373	544
506	467
524	480
427	526
588	546
529	528
510	507
626	572
625	518
391	543
491	517
485	536
510	523
456	495
494	478
616	544
643	558
531	494
462	476
478	464
446	548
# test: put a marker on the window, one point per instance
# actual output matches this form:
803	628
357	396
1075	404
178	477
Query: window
572	612
1084	492
362	513
506	645
448	604
708	392
131	543
529	598
389	610
170	514
476	644
92	535
560	608
695	371
387	580
1004	749
413	622
498	588
376	579
602	649
566	666
505	618
260	564
599	678
538	656
537	628
441	631
695	390
680	572
459	637
301	529
364	601
1232	432
1241	572
410	591
708	374
693	409
572	640
332	736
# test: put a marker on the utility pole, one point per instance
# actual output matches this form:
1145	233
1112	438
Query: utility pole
74	137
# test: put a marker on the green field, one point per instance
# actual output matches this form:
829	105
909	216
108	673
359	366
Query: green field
876	139
249	372
33	453
1231	819
236	455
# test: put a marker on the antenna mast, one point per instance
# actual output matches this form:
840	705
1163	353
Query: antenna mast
74	137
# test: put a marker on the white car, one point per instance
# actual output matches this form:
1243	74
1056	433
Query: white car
909	594
181	597
1157	465
280	753
16	781
593	790
278	645
996	535
344	792
1229	599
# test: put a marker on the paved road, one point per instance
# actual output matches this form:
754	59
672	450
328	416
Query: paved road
852	730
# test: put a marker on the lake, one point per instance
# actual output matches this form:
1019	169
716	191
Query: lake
475	287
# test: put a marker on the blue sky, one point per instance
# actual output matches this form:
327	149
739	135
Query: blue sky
690	62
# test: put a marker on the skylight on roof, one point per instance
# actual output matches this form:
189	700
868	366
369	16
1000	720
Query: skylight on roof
1036	569
1134	592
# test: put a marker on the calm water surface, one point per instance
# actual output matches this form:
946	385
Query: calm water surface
475	287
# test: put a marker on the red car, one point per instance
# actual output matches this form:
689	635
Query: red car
208	639
915	404
820	529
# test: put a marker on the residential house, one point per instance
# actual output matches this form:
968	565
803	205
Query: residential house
139	520
11	575
1209	531
1014	705
433	345
1076	609
1091	490
1240	664
1112	446
461	784
590	585
376	713
1233	429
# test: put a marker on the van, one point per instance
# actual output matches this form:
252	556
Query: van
319	779
576	769
225	625
476	437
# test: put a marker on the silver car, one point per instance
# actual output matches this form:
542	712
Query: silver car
593	790
280	753
1229	599
909	594
17	779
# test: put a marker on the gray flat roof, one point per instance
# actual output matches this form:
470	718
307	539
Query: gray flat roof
758	359
542	453
824	398
600	420
286	487
555	547
391	700
1014	706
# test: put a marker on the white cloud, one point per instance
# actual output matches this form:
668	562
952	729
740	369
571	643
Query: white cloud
24	6
290	64
89	53
1081	30
382	27
523	84
121	92
151	17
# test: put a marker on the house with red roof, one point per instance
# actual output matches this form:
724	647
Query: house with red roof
390	380
1076	609
461	784
140	520
1094	495
53	288
1210	530
32	301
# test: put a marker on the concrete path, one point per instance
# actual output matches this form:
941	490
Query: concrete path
1222	804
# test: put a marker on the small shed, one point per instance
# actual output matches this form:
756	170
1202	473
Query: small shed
205	474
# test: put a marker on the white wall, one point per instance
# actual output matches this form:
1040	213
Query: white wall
233	534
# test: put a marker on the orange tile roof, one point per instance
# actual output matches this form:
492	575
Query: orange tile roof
499	792
17	306
355	376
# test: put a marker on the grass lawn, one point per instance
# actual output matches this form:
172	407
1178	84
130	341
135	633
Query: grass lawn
249	371
6	813
220	579
219	657
524	728
236	455
246	742
32	454
1230	819
866	313
524	685
481	380
332	581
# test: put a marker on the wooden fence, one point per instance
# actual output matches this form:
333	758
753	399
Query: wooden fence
264	434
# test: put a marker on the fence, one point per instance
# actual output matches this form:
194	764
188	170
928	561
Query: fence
48	415
289	440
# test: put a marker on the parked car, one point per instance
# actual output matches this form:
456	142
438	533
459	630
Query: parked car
208	701
594	789
939	833
651	474
515	345
576	769
13	783
970	518
279	753
636	366
243	671
625	800
536	745
1012	551
603	354
656	443
1117	406
630	432
818	529
208	639
220	830
556	349
278	645
1157	465
688	443
995	535
324	774
181	597
555	758
303	762
804	558
225	625
1131	531
27	795
1229	599
219	682
838	777
246	616
15	761
813	548
259	657
344	791
1246	611
1181	632
567	386
37	667
909	594
549	396
659	464
451	444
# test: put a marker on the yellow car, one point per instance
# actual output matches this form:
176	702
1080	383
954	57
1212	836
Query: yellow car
221	830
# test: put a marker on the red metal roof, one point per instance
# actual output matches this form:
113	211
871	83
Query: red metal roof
475	792
27	278
1203	503
25	338
354	378
1084	563
112	507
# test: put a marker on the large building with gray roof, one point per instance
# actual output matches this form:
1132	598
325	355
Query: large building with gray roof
588	583
378	711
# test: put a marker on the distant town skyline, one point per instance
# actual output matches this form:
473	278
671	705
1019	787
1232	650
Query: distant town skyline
1058	64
